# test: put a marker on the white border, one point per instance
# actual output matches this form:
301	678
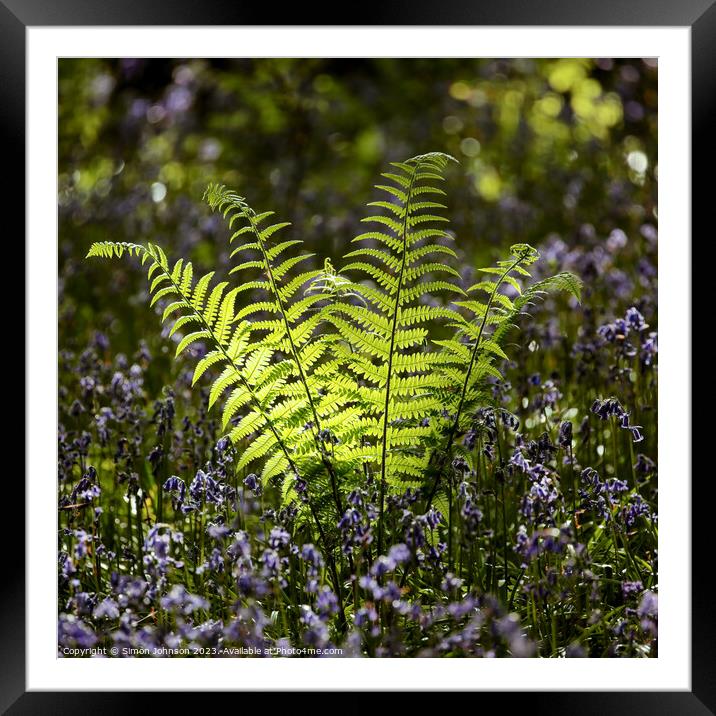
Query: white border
672	668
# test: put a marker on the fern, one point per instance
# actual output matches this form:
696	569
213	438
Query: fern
329	378
246	365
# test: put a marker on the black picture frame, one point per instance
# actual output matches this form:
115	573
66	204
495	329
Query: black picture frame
699	15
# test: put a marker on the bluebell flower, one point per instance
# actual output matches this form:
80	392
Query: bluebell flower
611	407
616	486
107	608
271	562
451	583
635	508
100	341
82	543
433	517
355	498
649	605
316	634
311	555
472	517
73	632
218	531
649	349
636	433
67	567
326	602
279	538
565	435
644	465
216	560
88	384
469	440
519	460
575	651
175	485
204	488
83	602
635	320
400	553
86	489
366	616
631	588
253	483
241	546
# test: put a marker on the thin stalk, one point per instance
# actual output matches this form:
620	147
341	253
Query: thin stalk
504	534
504	507
514	589
332	567
140	532
450	525
615	448
129	523
554	633
574	485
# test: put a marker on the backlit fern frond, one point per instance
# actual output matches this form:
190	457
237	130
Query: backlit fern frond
287	320
402	261
470	355
206	313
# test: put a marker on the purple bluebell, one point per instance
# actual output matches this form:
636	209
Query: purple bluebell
107	608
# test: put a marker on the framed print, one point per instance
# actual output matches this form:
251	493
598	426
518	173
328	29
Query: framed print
356	350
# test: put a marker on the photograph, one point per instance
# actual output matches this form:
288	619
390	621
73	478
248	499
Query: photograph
357	357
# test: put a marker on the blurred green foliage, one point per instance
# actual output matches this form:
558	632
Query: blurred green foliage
548	147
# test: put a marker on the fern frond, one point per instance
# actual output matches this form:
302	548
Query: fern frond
213	319
389	328
470	364
293	328
330	375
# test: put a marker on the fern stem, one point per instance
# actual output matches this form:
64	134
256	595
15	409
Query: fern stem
391	350
456	423
331	566
450	525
